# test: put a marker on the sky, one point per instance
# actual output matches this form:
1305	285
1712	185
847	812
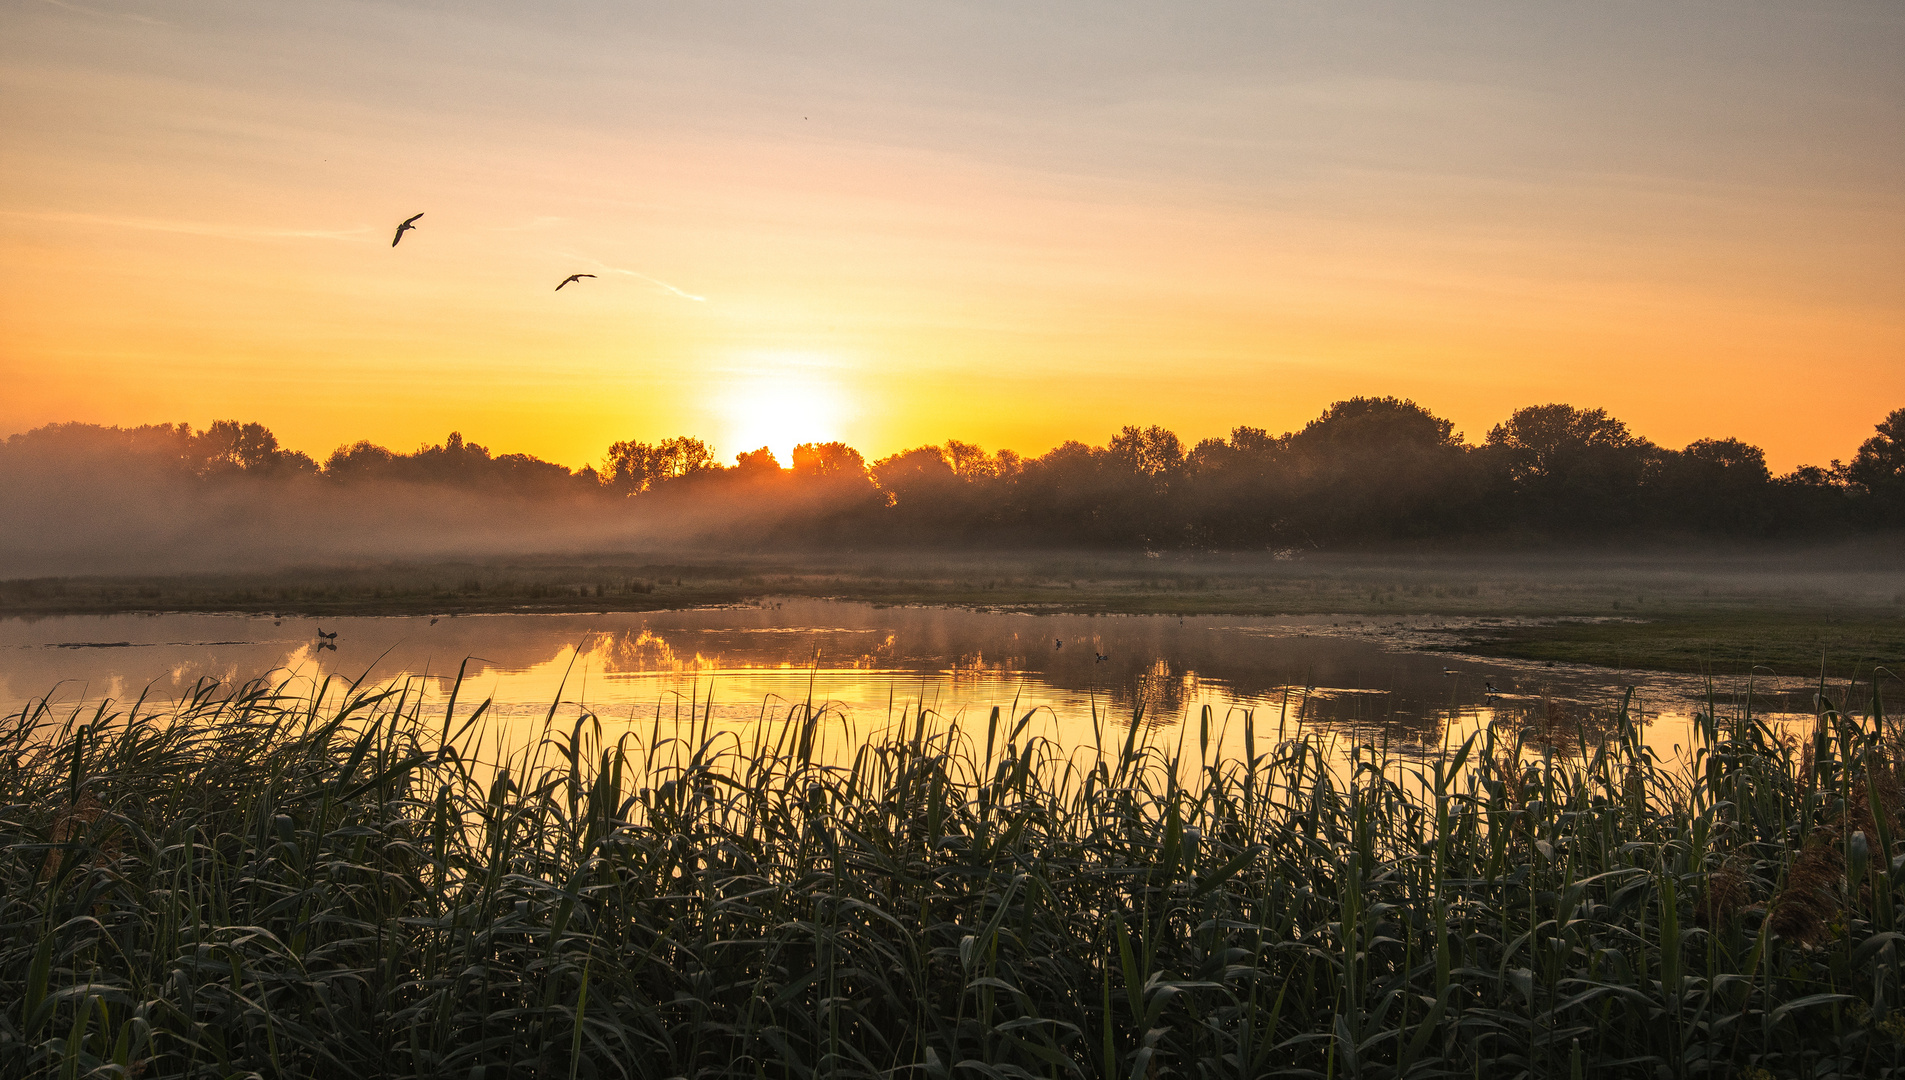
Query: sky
894	224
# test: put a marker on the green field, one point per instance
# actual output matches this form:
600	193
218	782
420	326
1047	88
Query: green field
1778	643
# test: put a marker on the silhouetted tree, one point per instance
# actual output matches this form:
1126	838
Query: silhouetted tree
1367	469
1152	452
1879	468
921	491
834	462
757	463
1569	469
1810	496
455	462
1074	494
1717	485
1236	493
362	460
228	446
1140	473
1377	468
632	467
968	461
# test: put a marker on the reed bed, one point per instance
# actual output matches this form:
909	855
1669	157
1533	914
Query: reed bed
258	882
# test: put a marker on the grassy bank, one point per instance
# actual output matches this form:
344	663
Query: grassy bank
1855	578
1780	643
274	885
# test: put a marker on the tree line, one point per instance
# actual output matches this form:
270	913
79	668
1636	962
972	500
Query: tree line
1369	469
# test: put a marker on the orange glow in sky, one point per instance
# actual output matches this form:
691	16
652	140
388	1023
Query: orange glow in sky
1006	224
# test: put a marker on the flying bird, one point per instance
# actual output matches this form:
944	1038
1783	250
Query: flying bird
572	277
409	223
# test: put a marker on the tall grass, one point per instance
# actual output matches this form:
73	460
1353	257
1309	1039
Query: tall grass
255	882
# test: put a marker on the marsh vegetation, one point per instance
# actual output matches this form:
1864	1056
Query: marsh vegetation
254	882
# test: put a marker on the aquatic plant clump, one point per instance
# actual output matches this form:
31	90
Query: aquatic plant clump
258	882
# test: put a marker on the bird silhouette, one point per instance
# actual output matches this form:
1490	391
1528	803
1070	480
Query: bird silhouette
1100	657
327	637
1489	688
433	620
1058	643
408	223
572	277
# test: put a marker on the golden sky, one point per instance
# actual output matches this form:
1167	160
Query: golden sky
894	224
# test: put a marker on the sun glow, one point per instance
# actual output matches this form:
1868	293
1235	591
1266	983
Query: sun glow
779	409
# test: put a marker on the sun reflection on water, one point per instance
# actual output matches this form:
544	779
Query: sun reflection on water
867	669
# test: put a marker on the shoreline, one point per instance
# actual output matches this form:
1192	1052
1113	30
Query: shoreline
1692	613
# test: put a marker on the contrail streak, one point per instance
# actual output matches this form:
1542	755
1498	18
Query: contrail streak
658	282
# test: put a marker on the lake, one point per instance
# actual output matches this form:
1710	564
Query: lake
1357	677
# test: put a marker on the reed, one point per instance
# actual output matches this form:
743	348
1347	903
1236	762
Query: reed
258	882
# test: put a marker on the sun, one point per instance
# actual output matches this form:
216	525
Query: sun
779	409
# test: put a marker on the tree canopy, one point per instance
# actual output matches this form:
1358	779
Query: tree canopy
1368	469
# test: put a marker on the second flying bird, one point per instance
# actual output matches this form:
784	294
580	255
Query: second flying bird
410	223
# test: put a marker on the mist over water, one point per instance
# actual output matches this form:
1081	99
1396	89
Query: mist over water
124	526
166	498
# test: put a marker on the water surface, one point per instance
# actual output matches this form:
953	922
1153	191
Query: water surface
868	666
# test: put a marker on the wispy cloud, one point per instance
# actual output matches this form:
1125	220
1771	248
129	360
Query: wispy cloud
97	14
655	281
358	234
659	283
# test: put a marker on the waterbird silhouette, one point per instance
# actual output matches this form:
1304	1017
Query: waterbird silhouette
408	223
1100	657
433	620
1058	643
1489	689
327	637
572	277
